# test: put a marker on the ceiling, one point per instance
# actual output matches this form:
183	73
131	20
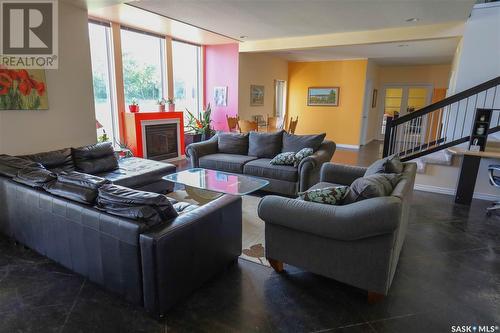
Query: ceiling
291	18
433	51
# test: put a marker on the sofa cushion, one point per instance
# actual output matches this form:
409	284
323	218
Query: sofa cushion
232	143
96	158
287	158
34	176
136	172
328	195
76	186
323	185
55	161
389	164
295	143
184	207
262	168
265	145
147	207
10	165
377	185
225	162
303	153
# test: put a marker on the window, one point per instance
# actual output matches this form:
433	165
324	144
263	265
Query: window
186	59
105	111
143	69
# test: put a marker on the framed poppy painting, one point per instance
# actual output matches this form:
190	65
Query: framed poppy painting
23	89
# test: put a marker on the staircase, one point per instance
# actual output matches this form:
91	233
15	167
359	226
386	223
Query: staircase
441	125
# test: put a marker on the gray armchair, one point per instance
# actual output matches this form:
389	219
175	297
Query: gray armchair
358	243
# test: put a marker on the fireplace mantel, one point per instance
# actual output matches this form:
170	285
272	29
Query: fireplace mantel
134	129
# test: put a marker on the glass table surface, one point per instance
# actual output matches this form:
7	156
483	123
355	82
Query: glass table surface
217	181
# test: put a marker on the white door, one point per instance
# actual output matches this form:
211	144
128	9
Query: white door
366	112
280	101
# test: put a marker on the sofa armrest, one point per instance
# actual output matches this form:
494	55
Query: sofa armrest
179	256
363	219
340	173
310	166
198	149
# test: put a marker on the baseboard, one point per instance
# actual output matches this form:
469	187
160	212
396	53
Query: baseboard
451	191
355	147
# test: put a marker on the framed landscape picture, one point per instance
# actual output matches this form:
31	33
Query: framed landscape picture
323	96
256	95
23	89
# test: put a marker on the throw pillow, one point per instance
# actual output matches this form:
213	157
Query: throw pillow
147	207
10	165
377	185
287	158
34	176
303	153
232	143
55	161
295	143
328	195
76	186
265	145
390	164
95	158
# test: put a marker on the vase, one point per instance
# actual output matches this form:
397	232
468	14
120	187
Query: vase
161	108
133	108
171	107
191	138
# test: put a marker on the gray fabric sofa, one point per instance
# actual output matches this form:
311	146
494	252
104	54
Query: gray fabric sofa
358	243
252	157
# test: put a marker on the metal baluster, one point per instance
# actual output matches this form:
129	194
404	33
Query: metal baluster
456	119
447	121
430	129
475	106
439	128
485	96
465	117
494	96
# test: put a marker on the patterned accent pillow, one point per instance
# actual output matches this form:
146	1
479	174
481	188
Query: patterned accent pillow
327	195
303	153
287	158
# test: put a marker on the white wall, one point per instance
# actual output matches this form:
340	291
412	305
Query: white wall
70	120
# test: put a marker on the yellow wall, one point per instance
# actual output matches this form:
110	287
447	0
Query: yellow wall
437	75
342	124
259	69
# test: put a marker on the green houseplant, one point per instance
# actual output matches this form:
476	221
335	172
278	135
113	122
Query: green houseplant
199	127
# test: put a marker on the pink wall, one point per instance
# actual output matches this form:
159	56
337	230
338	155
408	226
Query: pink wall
221	69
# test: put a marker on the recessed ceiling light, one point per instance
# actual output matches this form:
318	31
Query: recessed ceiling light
412	19
243	36
403	45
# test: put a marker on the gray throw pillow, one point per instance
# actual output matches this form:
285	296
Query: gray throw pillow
232	143
303	153
292	142
390	164
265	145
328	195
377	185
287	158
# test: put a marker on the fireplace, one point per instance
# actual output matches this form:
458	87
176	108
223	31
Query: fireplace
161	141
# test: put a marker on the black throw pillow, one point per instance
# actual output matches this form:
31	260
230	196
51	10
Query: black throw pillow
147	207
56	160
296	143
265	145
11	165
35	177
96	158
232	143
76	186
376	185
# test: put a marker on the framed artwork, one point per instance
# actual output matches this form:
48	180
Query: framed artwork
23	89
374	98
323	96
220	96
256	95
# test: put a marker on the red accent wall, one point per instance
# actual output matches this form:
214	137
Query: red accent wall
221	69
133	133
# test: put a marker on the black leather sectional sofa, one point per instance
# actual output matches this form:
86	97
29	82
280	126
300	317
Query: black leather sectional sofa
72	206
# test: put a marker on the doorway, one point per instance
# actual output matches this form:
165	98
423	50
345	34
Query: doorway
399	100
280	102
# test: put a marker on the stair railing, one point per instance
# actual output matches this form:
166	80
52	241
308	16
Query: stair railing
442	124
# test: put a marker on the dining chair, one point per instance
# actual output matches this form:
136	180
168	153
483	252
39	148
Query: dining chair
292	125
247	126
232	123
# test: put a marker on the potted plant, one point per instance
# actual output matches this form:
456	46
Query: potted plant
161	104
171	104
198	129
134	107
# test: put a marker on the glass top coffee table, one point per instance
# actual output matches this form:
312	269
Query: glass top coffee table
206	185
